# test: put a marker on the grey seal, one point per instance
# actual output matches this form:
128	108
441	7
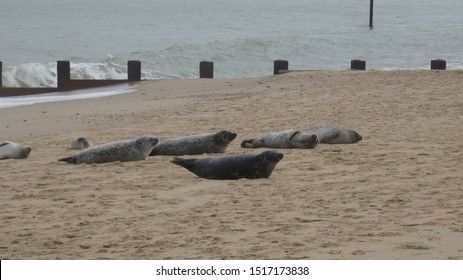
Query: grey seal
79	144
124	150
286	139
330	134
195	144
250	166
12	150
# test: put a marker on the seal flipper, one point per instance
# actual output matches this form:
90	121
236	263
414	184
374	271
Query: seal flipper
290	137
330	137
248	143
69	160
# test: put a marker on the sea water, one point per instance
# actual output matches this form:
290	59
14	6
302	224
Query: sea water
241	37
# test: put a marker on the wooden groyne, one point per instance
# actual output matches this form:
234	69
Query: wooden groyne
282	66
65	83
206	70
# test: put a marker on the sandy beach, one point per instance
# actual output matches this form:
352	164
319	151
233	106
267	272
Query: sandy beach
397	194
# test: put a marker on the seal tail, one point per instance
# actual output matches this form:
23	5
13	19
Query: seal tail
153	152
186	163
69	160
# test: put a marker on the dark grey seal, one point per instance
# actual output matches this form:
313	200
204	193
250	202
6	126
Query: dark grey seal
125	150
195	144
329	134
249	166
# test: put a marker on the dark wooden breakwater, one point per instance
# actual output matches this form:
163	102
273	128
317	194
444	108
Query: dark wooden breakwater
282	66
206	70
65	83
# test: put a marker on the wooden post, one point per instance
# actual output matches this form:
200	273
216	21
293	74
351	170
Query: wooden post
438	64
357	64
206	69
1	75
63	71
279	65
134	70
371	14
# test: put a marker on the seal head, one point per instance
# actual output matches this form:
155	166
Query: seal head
224	137
79	144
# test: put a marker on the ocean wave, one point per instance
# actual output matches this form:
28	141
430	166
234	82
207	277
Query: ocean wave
238	58
30	75
45	75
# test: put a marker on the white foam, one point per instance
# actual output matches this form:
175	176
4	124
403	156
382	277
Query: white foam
30	75
6	102
44	75
39	75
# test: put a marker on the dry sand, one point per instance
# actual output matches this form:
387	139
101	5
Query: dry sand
398	194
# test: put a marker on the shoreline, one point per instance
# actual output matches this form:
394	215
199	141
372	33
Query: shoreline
10	101
395	195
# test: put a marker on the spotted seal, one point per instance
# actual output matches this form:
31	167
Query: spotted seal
286	139
330	134
250	166
124	150
12	150
195	144
79	144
